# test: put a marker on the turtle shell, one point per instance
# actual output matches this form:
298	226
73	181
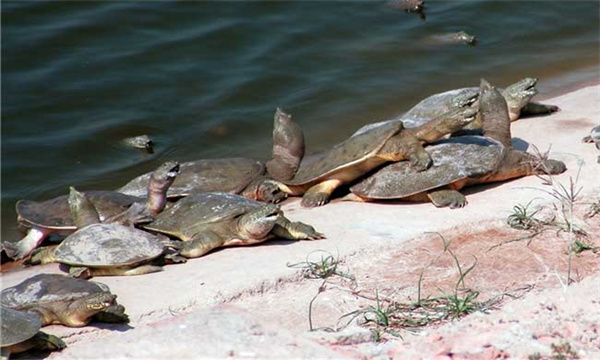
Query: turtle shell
108	245
17	326
352	152
48	288
199	210
55	213
454	159
230	175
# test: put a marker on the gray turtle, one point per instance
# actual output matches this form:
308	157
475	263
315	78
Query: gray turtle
97	249
242	176
54	216
60	299
459	37
460	163
319	175
454	159
21	332
140	142
205	221
517	97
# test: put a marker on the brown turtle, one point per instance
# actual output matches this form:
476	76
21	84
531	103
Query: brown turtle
21	332
319	175
54	216
242	176
458	163
60	299
205	221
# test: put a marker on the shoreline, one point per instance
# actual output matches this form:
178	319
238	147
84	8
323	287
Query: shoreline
192	294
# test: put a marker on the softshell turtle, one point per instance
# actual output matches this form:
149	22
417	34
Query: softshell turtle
454	159
459	37
97	249
140	142
319	175
517	96
242	176
64	300
54	216
21	332
205	221
460	163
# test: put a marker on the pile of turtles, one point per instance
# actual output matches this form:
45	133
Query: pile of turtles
180	211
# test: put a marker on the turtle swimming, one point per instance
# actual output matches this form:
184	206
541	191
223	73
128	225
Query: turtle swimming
60	299
101	249
319	175
21	332
54	216
517	96
459	162
205	221
242	176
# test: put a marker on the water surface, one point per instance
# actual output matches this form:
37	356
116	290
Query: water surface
204	78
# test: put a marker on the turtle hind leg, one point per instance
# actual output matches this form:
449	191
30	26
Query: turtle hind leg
43	341
25	246
319	194
447	198
533	108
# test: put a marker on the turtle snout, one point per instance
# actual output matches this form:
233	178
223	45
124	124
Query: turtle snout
174	171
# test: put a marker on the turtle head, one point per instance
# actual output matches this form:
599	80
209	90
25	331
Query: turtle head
160	181
83	211
518	95
254	226
466	38
269	191
100	301
465	99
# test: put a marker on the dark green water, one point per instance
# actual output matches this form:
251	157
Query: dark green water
204	78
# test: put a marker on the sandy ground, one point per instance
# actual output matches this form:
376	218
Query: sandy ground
248	301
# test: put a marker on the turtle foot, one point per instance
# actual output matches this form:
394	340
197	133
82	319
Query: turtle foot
302	231
49	342
553	167
420	160
314	199
114	315
448	198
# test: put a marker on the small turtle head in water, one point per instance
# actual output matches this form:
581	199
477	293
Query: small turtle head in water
142	142
466	38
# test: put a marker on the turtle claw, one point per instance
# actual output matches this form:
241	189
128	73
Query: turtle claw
314	199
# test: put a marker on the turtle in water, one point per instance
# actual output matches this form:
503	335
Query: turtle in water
21	332
60	299
140	142
319	175
54	216
409	6
459	37
101	249
517	96
205	221
242	176
459	162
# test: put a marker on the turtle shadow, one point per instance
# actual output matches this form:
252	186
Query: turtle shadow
520	144
118	327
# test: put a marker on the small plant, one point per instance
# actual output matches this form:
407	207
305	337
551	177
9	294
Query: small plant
593	210
522	218
580	246
562	351
323	268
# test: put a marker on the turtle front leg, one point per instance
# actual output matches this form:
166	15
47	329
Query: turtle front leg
201	244
419	158
296	230
40	341
447	198
533	108
319	194
113	315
